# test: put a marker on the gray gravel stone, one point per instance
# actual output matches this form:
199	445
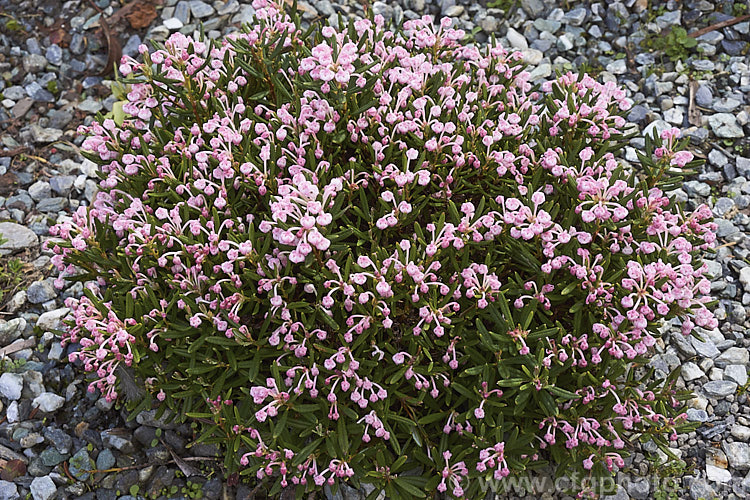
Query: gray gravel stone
733	356
620	494
703	96
738	455
182	11
41	291
618	67
535	8
59	439
38	93
54	54
706	349
40	190
200	9
17	237
11	330
52	204
736	373
114	439
691	371
695	415
34	63
575	17
91	105
719	388
105	459
79	464
725	125
726	105
668	19
700	489
44	135
725	228
638	113
516	39
740	432
34	384
62	184
8	491
173	24
639	488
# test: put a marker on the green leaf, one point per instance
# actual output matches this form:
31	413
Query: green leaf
431	418
409	488
343	437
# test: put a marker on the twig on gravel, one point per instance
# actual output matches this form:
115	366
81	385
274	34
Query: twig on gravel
14	151
726	153
727	244
17	346
141	466
718	26
694	116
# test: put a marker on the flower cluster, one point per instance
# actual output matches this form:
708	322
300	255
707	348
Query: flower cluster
356	252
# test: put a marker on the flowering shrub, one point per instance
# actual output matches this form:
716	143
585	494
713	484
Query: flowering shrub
352	252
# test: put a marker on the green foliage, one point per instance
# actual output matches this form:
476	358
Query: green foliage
470	342
676	44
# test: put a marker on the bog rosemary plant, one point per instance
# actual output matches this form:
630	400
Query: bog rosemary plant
352	252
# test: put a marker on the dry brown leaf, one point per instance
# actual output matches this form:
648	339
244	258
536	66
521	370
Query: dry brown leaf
81	428
60	37
185	467
13	469
114	50
141	15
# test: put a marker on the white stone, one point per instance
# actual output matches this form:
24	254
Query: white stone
12	412
172	24
43	488
532	57
52	320
733	356
516	39
48	402
618	67
674	115
691	371
740	432
11	385
736	373
544	70
698	402
725	125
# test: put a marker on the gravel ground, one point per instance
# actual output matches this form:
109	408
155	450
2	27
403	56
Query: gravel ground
52	56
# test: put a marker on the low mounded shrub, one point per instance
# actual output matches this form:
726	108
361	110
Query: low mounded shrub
351	253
